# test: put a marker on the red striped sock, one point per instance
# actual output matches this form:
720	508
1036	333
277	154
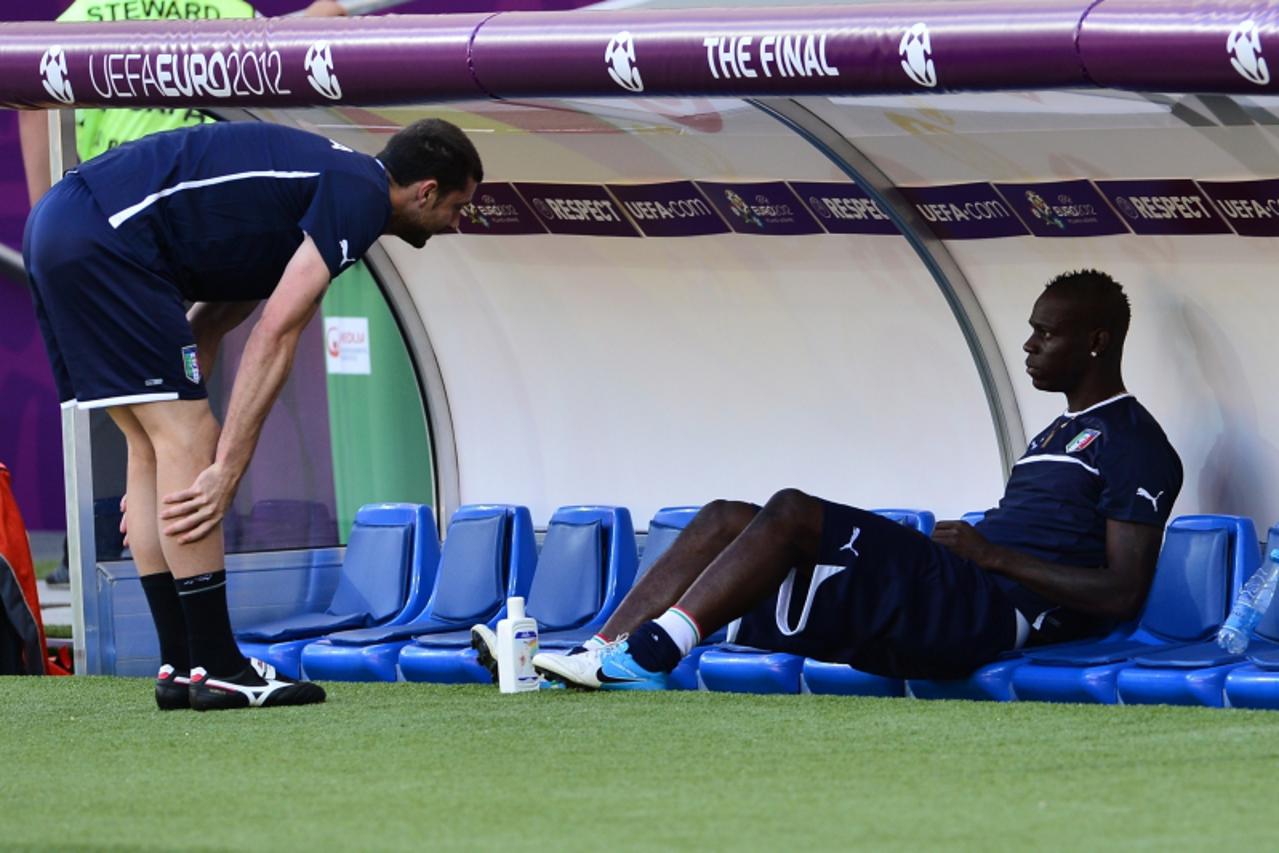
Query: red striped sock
682	628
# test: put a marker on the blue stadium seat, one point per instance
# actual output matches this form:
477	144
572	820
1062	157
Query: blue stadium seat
489	553
1255	683
920	519
732	668
1196	674
389	567
1189	597
667	524
741	669
989	683
586	566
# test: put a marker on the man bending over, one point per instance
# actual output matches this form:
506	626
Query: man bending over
1069	552
221	216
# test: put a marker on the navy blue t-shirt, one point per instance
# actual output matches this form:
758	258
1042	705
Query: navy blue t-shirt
1110	461
220	209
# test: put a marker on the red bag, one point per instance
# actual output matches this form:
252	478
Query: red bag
19	601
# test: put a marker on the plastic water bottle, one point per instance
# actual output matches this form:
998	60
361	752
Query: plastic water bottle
1250	606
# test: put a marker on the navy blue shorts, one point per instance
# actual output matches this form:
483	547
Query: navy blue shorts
115	329
887	600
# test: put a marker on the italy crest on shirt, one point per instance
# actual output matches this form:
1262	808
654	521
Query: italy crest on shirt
1082	440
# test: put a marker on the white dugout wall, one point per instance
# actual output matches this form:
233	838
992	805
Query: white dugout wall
653	371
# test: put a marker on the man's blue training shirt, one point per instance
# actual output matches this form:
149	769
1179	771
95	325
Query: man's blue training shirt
1109	461
220	209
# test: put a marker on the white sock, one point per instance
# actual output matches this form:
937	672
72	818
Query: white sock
595	642
681	628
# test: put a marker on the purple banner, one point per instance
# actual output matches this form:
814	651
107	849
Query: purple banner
767	207
1147	45
1062	209
900	48
844	208
576	209
1182	47
673	209
413	58
1251	207
498	209
266	61
1163	207
964	211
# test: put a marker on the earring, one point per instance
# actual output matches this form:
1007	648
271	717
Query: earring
1093	354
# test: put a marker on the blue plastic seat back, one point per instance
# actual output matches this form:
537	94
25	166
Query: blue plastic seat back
568	583
1190	593
973	518
375	572
424	562
918	519
663	530
471	583
1268	627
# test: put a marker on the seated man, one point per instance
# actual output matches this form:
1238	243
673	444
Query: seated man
1070	550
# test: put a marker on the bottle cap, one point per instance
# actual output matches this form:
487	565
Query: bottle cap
515	607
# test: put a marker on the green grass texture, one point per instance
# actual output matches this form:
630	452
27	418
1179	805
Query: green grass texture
90	764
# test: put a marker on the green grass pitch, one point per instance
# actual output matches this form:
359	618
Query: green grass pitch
89	763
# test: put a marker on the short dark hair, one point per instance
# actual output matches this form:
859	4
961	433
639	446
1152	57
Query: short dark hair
432	148
1103	296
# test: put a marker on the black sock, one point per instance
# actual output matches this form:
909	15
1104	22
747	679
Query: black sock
653	649
209	634
166	612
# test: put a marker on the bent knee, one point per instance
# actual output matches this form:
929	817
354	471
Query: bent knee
796	509
792	501
729	516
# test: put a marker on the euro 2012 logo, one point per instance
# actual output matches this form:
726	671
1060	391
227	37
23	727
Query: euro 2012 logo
1043	212
740	208
473	213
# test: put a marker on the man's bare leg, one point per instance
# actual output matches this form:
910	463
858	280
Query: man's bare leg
785	534
184	435
715	526
142	523
141	512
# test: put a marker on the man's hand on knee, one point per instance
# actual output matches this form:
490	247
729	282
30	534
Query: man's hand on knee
196	511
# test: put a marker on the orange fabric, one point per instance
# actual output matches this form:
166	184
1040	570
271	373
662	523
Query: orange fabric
17	550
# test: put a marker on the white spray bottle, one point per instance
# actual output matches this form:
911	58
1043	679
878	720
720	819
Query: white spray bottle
516	645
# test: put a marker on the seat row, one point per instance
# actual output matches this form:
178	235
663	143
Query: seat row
403	606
